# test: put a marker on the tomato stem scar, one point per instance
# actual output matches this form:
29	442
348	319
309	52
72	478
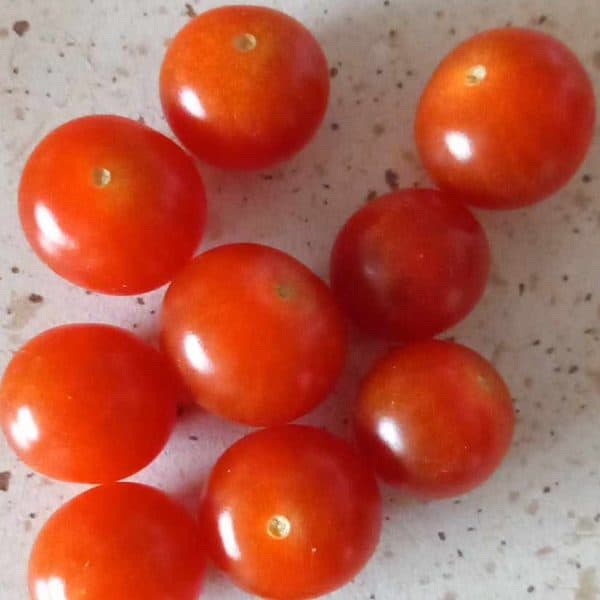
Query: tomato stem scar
475	75
279	527
245	42
101	177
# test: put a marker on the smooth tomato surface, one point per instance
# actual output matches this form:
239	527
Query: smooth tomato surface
434	418
291	512
256	335
506	119
112	205
88	403
410	264
118	541
244	87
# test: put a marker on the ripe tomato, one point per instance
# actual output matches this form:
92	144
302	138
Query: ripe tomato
291	512
257	336
506	119
118	541
112	205
434	418
244	87
87	403
410	264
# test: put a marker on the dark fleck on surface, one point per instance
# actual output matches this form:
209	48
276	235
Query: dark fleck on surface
4	481
536	343
573	369
391	178
586	178
531	589
521	289
542	19
378	129
194	438
189	10
400	85
21	27
14	270
335	126
371	195
460	553
35	298
32	515
442	536
546	490
140	301
333	72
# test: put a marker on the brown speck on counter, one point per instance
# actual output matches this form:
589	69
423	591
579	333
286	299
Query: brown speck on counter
586	178
542	19
371	195
530	589
193	438
391	178
333	72
442	536
15	270
4	481
35	298
335	126
140	300
21	27
189	11
378	129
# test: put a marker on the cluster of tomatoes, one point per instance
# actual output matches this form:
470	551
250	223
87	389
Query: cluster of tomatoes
289	511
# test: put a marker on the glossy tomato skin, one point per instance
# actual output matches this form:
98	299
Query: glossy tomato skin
434	418
506	119
291	512
88	403
121	540
257	337
244	87
112	205
410	264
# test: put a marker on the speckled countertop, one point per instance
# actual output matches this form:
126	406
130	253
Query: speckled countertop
534	530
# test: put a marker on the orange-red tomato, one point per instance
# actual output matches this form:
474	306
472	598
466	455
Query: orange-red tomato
256	335
410	264
122	541
244	87
506	119
434	418
112	205
88	403
291	512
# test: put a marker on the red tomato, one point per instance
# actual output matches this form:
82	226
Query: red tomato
291	512
112	205
244	87
115	542
434	418
506	119
87	403
410	264
257	336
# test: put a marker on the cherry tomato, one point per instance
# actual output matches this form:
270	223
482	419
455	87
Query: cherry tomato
87	403
244	87
506	119
111	205
118	541
410	264
434	418
257	336
291	512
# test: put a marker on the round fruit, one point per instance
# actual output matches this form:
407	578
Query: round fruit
88	403
506	119
434	418
291	513
112	205
410	264
256	335
122	540
244	87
